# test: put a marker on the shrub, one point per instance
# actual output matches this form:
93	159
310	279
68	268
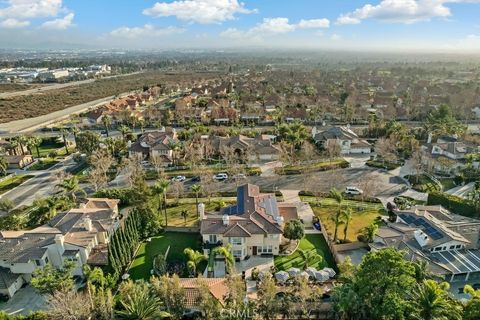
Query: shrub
124	195
453	203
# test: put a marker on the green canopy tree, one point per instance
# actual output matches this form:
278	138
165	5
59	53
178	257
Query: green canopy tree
294	230
431	301
195	258
48	279
161	188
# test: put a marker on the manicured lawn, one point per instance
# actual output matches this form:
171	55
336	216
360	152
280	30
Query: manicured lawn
152	174
174	211
44	164
447	183
311	167
315	246
177	241
422	183
363	215
48	146
13	182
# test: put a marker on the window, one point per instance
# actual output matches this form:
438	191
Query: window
438	248
458	246
237	253
37	262
236	241
452	247
265	249
46	260
212	238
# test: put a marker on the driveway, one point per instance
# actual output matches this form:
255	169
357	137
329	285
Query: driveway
26	300
268	168
357	161
304	210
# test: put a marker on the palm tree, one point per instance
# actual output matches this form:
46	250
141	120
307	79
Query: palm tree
64	138
196	188
431	301
337	196
347	215
140	305
226	252
370	232
106	121
124	130
161	187
194	260
71	186
3	166
92	276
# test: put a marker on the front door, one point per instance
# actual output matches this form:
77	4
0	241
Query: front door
254	250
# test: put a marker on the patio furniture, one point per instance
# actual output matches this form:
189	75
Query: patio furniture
282	276
293	272
330	272
321	276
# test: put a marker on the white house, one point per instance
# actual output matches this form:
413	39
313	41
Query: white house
348	141
80	235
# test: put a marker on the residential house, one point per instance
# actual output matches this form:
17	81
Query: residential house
19	161
216	286
448	147
253	226
447	241
77	235
348	140
252	149
155	143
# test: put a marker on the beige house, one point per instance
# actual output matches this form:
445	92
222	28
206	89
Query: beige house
77	235
155	144
253	227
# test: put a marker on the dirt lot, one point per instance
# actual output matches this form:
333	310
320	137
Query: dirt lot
35	105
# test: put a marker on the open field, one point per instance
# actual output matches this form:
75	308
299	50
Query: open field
363	214
35	105
315	248
177	241
12	87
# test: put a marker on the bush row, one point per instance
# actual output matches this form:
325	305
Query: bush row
453	203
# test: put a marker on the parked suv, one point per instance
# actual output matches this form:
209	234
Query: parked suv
221	176
353	191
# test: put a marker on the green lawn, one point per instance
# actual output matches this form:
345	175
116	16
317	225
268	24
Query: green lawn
315	246
422	183
177	241
13	182
363	214
311	167
447	183
44	164
174	211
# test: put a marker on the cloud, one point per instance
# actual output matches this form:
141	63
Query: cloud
147	30
272	26
59	24
401	11
200	11
28	9
12	23
314	23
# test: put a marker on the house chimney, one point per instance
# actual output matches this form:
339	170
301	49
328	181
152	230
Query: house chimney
59	238
429	140
201	211
226	220
87	222
280	220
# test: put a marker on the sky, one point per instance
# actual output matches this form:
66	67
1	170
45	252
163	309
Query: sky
370	25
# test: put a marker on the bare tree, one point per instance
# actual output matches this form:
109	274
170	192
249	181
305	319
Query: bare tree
132	168
207	183
177	190
101	161
368	186
333	150
158	164
385	148
69	304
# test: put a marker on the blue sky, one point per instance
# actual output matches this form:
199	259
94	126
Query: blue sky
429	25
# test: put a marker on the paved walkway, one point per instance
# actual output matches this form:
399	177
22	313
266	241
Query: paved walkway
268	169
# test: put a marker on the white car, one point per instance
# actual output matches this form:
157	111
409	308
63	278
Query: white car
179	179
220	176
353	191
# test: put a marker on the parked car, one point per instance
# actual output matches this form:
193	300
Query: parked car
179	179
220	176
196	179
353	191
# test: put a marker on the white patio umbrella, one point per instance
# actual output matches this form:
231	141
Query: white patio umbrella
294	272
330	271
311	271
262	274
304	274
282	276
321	276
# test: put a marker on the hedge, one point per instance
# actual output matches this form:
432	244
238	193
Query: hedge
453	203
124	195
347	197
382	165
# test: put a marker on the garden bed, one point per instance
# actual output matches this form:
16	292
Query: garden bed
12	182
43	164
382	164
423	183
